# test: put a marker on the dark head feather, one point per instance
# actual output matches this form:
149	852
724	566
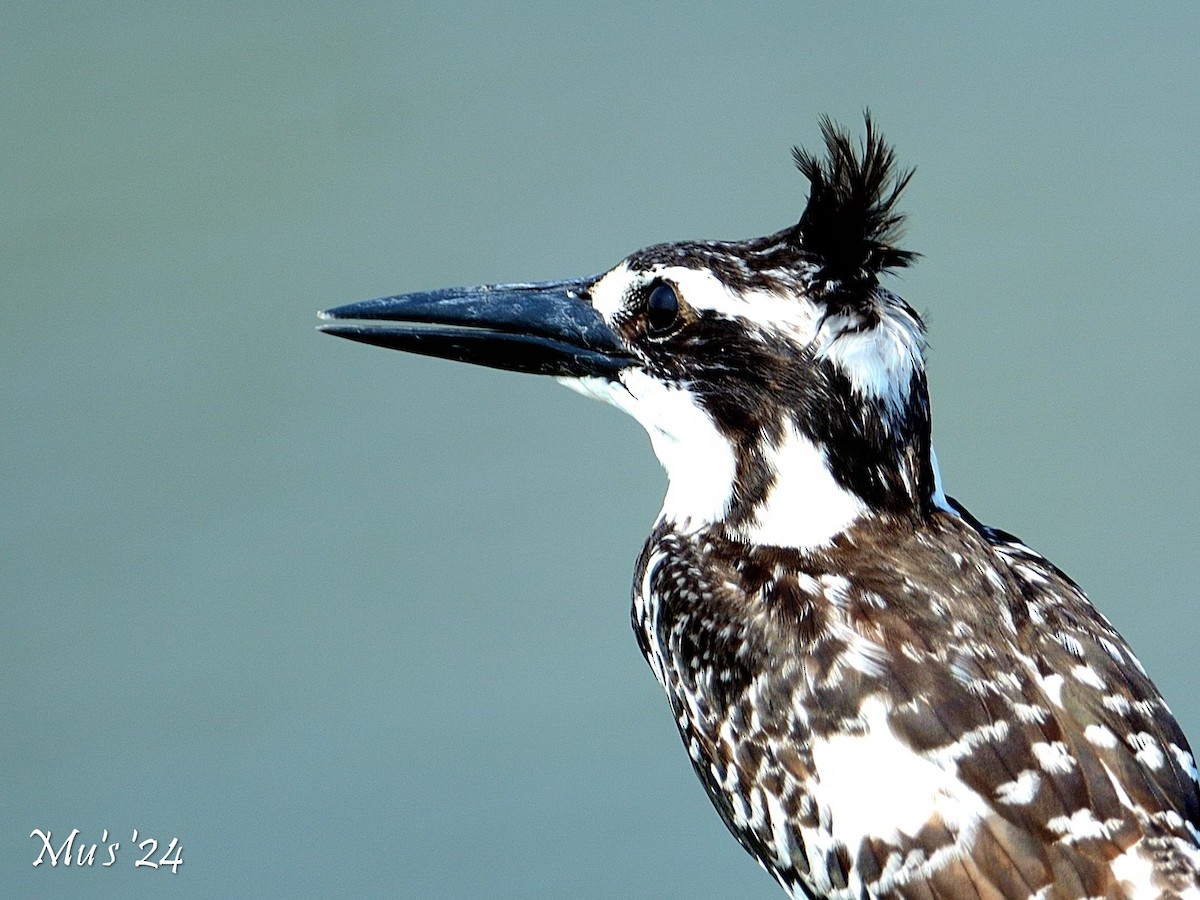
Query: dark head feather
850	225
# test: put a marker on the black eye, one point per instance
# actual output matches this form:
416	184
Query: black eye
662	309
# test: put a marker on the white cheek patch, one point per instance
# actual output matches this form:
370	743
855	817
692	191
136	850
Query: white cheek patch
699	460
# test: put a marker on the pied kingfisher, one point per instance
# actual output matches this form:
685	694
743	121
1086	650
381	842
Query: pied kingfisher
882	696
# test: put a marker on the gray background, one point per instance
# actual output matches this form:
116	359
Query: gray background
353	623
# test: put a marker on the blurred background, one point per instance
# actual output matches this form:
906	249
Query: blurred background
349	622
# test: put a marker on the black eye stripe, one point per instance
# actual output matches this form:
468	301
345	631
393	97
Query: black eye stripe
662	309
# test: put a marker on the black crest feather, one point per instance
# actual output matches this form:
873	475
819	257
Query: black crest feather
850	225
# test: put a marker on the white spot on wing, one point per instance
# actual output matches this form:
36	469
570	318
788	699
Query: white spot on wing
781	835
1053	757
1021	790
1030	713
1101	736
1053	685
1088	676
1186	761
874	785
1082	825
1147	750
968	742
1117	703
1135	872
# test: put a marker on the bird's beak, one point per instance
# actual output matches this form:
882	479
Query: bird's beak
548	327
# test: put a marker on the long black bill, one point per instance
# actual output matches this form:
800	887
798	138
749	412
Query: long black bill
547	327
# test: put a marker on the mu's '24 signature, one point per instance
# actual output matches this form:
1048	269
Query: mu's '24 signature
74	851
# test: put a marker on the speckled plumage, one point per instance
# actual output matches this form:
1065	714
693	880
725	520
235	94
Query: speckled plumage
975	654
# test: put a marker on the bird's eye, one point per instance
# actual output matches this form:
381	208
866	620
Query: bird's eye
662	310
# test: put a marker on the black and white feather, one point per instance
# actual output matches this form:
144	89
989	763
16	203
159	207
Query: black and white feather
851	223
883	697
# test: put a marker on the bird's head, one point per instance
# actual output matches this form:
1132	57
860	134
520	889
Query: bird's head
782	386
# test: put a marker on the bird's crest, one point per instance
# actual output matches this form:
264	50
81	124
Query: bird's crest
851	224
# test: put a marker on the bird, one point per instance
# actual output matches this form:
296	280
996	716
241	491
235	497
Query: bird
882	696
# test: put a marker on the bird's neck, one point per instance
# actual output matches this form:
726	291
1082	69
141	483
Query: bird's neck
782	492
771	481
794	500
